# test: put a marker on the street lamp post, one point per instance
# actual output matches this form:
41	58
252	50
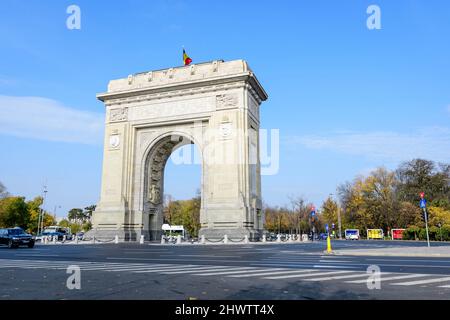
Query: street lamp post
41	213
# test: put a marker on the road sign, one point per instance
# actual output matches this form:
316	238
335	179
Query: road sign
423	203
326	227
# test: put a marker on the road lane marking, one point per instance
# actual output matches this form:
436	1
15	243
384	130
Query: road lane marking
413	283
333	267
35	255
332	261
246	272
363	274
367	264
180	268
207	255
274	273
432	259
408	276
234	270
305	275
199	269
115	268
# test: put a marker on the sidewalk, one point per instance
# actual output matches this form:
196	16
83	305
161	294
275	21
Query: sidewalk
438	252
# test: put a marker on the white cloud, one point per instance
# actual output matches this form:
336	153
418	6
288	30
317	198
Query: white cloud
430	143
47	119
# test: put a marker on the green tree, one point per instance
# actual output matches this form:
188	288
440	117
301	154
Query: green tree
330	211
14	212
88	212
421	175
185	213
34	210
409	215
439	216
75	215
64	223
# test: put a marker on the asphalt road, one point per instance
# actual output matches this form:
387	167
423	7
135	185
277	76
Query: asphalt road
237	271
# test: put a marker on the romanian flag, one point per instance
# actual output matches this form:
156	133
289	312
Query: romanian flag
187	61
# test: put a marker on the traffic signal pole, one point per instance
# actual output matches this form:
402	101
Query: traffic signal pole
423	205
426	225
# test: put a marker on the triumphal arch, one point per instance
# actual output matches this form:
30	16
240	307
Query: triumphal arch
214	105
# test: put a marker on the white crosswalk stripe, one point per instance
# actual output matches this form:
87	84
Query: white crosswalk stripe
173	268
287	271
407	276
413	283
264	271
242	269
362	274
199	269
210	269
305	275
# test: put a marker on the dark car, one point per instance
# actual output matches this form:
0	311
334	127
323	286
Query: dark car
15	237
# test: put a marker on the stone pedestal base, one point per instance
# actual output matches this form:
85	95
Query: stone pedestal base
125	235
235	234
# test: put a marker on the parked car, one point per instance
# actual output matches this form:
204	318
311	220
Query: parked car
15	237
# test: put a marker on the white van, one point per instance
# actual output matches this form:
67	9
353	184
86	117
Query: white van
351	234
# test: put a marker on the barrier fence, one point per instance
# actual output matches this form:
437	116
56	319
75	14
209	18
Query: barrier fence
179	240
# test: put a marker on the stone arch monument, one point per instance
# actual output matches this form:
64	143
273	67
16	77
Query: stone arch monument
214	105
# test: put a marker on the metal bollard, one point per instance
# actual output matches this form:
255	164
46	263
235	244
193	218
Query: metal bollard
76	239
278	238
54	240
290	238
299	238
45	239
225	239
94	240
178	239
141	241
64	238
163	240
116	239
264	238
202	241
246	239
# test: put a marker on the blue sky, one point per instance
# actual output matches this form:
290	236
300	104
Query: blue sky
346	99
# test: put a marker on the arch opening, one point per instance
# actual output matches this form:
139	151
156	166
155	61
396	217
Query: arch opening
154	173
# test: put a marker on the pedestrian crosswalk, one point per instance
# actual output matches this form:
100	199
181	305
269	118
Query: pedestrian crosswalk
355	277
